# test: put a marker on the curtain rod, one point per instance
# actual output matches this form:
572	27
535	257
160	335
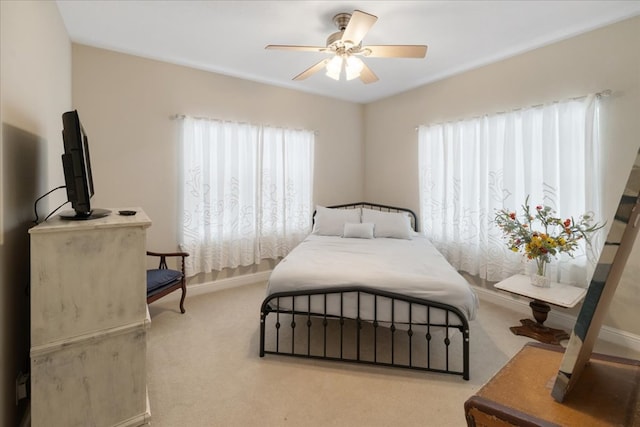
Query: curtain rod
183	116
602	94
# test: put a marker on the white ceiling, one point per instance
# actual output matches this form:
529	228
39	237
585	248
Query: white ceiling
228	37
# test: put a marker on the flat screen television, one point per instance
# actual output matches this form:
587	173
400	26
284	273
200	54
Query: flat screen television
77	170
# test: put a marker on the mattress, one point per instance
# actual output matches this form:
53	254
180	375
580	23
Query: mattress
411	267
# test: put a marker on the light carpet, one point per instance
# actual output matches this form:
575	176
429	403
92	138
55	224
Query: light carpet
204	370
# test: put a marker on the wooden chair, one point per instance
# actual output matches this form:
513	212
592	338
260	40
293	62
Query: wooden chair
162	280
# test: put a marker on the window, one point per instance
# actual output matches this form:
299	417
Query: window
471	168
246	192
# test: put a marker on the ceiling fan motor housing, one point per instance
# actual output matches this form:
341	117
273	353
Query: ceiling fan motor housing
335	42
334	38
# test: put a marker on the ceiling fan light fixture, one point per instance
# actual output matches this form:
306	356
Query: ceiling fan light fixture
353	67
334	67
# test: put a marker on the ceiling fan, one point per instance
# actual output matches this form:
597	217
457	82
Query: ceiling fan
346	47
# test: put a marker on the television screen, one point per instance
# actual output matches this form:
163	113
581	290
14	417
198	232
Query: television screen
76	164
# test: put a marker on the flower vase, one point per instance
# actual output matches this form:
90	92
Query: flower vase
538	278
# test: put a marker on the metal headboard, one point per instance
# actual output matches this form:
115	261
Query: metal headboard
375	206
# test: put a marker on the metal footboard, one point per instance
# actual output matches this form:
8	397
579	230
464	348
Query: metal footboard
367	326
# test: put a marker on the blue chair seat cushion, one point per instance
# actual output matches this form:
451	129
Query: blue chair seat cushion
158	279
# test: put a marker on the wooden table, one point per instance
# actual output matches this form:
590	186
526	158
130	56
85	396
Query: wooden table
606	394
557	294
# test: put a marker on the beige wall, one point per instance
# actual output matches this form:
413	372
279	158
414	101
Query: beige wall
607	58
35	58
125	103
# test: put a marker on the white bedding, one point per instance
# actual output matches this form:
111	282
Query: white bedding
408	267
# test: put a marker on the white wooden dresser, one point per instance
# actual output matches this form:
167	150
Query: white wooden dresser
89	322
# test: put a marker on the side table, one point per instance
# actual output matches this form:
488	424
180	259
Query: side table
557	294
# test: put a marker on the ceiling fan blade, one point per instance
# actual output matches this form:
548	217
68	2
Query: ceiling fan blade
358	26
297	48
396	51
311	70
367	76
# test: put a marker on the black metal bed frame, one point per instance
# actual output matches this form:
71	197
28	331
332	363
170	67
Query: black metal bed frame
366	338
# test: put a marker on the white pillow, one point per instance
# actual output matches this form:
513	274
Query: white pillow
330	222
396	225
358	230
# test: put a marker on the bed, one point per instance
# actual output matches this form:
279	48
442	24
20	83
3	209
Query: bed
365	287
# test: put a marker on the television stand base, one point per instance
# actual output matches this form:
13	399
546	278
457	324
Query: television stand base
94	214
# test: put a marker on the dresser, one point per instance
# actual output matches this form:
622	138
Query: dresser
89	322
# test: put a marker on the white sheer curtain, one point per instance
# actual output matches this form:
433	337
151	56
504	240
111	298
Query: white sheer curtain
246	192
470	169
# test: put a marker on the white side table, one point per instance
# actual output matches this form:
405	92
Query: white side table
558	294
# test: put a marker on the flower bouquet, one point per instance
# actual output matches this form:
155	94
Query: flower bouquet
541	235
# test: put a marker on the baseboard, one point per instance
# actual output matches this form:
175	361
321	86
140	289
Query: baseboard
562	320
231	282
